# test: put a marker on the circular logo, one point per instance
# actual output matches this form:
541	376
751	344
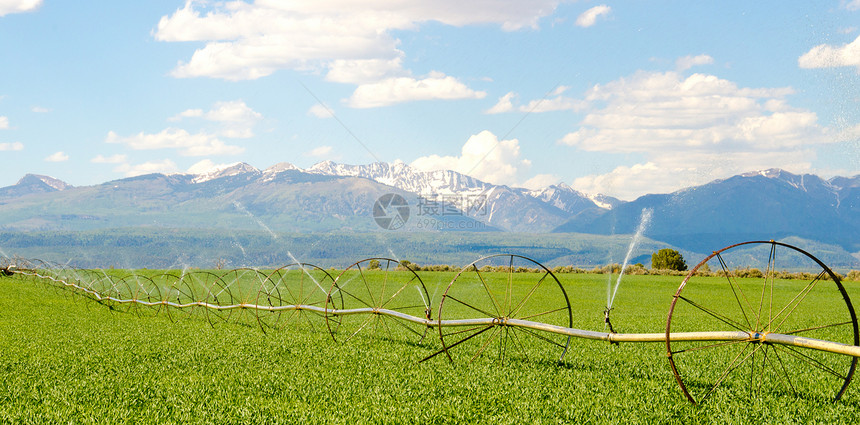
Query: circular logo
391	211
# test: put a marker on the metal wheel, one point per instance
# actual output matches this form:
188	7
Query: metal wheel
236	292
760	288
373	292
146	299
501	289
297	295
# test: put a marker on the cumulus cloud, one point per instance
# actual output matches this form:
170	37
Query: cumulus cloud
14	146
18	6
131	170
350	42
689	130
4	123
829	56
199	144
113	159
57	157
320	151
589	17
404	89
687	62
851	4
483	156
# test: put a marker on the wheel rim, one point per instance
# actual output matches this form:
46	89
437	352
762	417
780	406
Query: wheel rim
523	289
387	287
814	305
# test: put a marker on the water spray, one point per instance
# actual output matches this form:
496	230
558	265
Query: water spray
644	221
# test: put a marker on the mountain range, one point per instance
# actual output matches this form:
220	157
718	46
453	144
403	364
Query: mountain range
332	197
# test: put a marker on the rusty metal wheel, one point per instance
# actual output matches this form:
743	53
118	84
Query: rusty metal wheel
381	298
760	288
480	308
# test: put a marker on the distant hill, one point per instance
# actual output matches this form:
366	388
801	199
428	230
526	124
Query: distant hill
771	204
339	198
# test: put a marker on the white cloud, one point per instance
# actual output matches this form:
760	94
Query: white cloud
320	111
828	56
320	151
188	113
4	123
483	156
687	62
359	71
113	159
589	17
40	110
851	4
541	181
404	89
164	167
14	146
18	6
207	166
236	117
553	102
57	157
505	104
199	144
353	40
690	130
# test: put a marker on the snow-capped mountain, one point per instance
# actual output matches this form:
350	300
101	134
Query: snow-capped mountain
502	206
226	171
34	183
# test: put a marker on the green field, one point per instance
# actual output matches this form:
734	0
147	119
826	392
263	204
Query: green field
66	358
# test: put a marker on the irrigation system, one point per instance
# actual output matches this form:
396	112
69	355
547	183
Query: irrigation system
787	328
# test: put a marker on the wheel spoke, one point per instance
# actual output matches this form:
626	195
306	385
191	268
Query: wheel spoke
716	315
519	343
509	294
528	295
356	298
812	362
397	293
539	336
496	304
486	344
818	327
446	348
784	375
531	316
366	285
796	301
469	305
733	285
734	365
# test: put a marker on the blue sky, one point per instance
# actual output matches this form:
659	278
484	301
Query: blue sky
623	98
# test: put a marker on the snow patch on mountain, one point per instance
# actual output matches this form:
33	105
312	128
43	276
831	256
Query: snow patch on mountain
225	171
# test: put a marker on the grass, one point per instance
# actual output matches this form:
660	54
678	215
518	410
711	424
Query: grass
68	359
